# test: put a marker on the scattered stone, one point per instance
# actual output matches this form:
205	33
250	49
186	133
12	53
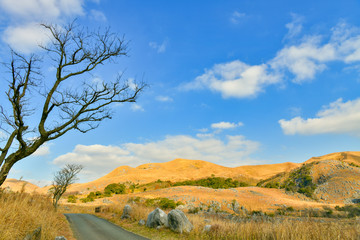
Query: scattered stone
126	212
178	222
105	200
66	208
207	228
156	218
207	220
141	222
60	238
235	206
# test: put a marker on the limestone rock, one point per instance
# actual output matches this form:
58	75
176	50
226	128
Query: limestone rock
178	222
126	212
156	218
60	238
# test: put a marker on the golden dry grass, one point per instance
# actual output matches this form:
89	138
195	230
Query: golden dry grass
183	169
17	185
21	213
277	228
252	198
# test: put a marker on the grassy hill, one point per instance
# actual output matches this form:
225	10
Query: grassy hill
332	178
182	170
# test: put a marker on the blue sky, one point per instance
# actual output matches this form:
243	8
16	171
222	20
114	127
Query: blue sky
231	82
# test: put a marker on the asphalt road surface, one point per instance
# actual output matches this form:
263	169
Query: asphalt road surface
90	227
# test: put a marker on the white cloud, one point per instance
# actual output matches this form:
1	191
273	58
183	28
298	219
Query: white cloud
236	17
235	79
99	160
98	15
160	48
295	26
25	38
312	54
226	125
136	107
23	33
338	117
164	99
3	134
42	150
304	59
42	9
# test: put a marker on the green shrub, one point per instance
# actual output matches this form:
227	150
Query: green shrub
213	182
117	188
72	199
166	203
352	210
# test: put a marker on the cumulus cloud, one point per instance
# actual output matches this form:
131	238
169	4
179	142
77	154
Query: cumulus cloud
25	38
235	79
226	125
338	117
300	61
99	160
312	54
42	9
23	33
304	60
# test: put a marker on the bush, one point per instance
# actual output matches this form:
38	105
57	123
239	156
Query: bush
352	210
72	199
213	182
166	203
117	188
272	185
163	203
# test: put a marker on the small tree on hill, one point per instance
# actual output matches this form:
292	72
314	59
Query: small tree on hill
62	180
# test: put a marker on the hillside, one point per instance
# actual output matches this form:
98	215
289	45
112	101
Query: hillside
17	185
332	178
182	169
348	157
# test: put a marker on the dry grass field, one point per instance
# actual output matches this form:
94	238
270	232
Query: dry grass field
278	227
21	213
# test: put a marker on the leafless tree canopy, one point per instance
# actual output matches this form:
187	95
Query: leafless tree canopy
62	179
74	52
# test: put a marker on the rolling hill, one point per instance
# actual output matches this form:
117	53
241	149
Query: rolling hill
332	178
183	169
17	186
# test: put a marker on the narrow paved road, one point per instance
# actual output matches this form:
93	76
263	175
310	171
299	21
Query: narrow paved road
90	227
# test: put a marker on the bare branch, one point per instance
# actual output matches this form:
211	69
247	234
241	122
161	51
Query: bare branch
75	52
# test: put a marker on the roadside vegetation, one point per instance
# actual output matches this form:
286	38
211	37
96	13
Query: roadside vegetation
21	213
283	223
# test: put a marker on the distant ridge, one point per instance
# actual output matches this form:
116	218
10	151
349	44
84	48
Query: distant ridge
184	169
16	185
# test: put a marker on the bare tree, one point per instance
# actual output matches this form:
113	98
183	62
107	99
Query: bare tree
62	179
67	103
